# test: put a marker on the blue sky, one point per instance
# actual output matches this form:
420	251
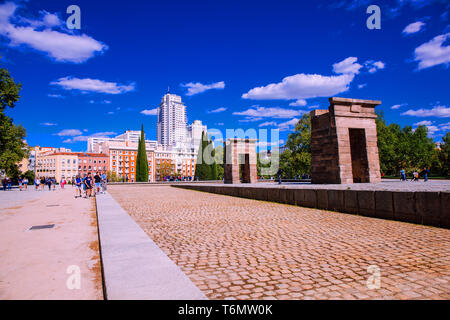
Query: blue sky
236	64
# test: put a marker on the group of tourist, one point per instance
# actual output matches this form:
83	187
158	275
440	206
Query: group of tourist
415	175
90	185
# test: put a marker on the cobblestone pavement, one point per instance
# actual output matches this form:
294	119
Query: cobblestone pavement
234	248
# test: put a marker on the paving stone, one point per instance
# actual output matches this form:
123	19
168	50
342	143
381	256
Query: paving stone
288	250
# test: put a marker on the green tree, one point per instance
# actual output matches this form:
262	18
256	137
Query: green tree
12	146
30	176
444	155
213	166
141	159
404	147
296	159
218	156
206	169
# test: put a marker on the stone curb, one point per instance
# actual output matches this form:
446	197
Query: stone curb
420	207
134	267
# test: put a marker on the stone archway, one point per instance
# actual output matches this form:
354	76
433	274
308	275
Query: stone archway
240	161
344	142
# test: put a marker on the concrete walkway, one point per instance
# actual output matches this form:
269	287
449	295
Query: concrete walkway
134	267
48	263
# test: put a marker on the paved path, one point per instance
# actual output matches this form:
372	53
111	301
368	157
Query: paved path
133	265
14	197
237	248
34	263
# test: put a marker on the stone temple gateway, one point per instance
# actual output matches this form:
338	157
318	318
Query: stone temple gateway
240	161
344	142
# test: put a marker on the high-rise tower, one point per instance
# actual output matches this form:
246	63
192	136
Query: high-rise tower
172	121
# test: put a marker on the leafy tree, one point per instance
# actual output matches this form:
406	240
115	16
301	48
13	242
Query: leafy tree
218	156
444	155
30	176
213	166
12	146
404	147
112	177
202	168
297	158
141	159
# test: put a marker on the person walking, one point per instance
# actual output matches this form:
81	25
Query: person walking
97	180
25	183
49	184
88	185
78	183
425	173
416	176
43	181
402	175
104	182
8	182
37	182
4	184
20	181
279	175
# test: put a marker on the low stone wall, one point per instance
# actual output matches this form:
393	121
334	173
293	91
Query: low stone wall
420	207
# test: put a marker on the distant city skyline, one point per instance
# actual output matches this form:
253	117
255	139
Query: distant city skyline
235	65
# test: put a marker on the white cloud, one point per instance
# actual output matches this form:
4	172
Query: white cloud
302	86
49	124
271	143
262	112
57	96
362	85
288	125
218	110
61	46
69	133
251	119
413	27
92	85
347	66
444	126
437	111
80	138
150	112
423	123
268	124
298	103
398	106
374	66
433	52
195	88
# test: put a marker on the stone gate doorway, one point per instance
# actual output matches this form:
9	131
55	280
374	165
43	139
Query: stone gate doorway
240	161
360	165
344	142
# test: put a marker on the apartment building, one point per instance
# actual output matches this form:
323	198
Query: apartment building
162	161
57	165
92	162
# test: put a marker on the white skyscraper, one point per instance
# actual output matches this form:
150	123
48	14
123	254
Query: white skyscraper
195	131
172	121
